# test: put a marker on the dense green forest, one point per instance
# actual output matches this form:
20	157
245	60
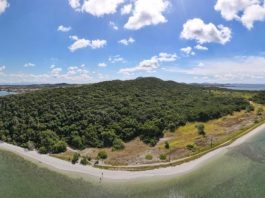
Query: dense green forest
259	98
108	113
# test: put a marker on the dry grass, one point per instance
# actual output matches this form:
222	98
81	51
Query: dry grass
217	132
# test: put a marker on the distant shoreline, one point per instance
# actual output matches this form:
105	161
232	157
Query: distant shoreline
62	165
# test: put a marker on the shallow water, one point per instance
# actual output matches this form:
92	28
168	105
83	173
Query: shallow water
5	93
239	172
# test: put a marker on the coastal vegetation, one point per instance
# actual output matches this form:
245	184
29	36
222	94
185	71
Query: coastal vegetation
108	113
259	98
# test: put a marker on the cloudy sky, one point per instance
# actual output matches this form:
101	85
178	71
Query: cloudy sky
84	41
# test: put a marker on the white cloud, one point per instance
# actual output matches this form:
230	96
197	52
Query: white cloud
73	74
116	59
102	7
29	65
144	66
113	25
246	11
62	28
3	6
166	57
75	4
94	44
187	51
147	13
102	65
196	29
245	69
149	65
56	71
200	47
126	9
83	43
79	44
126	41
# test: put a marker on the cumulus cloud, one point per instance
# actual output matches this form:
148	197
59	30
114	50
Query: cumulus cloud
56	71
75	4
245	11
127	41
166	57
113	25
244	69
29	65
3	6
83	43
187	51
149	65
196	29
147	13
201	47
102	65
126	9
102	7
62	28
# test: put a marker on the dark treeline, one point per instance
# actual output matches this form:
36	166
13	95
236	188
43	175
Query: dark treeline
108	113
259	98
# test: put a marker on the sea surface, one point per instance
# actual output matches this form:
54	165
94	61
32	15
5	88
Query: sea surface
5	93
248	87
236	173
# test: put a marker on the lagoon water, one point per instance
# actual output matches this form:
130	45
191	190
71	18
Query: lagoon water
239	172
5	93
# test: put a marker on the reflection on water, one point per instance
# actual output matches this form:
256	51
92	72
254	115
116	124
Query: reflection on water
240	172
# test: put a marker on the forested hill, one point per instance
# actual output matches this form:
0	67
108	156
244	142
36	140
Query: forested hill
107	113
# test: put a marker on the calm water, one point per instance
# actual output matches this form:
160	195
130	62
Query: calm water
5	93
240	172
249	87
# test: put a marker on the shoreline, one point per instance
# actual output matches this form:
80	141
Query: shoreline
185	167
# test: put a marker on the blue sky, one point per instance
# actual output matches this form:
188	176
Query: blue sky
84	41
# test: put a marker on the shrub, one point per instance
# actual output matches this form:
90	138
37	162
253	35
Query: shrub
30	145
167	145
172	127
43	150
117	144
163	157
59	147
260	111
149	157
102	155
250	108
200	129
84	161
75	158
190	147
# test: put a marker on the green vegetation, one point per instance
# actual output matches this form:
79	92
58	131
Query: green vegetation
200	128
75	158
167	146
102	155
190	147
163	157
84	161
259	98
148	157
108	113
117	144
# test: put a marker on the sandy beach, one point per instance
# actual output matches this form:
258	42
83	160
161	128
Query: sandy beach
123	175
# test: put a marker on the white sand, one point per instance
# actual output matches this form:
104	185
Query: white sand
123	175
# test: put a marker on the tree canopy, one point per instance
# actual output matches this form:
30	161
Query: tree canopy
106	113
